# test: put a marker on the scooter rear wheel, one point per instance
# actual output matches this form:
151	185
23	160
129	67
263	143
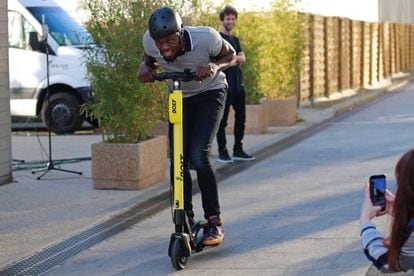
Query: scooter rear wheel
177	259
198	231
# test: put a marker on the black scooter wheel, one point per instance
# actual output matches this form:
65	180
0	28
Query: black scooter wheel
177	259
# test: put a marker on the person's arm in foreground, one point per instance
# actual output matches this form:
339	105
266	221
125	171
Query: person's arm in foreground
371	238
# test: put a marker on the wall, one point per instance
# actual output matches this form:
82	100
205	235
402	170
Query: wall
5	124
401	11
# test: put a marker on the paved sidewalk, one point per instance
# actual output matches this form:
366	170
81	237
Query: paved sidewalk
37	213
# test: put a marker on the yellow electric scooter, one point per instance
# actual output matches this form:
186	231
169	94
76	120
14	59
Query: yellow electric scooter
186	238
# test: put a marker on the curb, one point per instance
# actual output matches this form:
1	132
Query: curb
366	96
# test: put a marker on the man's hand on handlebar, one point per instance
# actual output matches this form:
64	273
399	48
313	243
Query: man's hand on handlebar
145	73
205	71
147	67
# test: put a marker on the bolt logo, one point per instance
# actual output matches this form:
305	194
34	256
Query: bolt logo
181	165
180	176
174	106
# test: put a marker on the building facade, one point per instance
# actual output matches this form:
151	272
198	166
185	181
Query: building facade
401	11
5	123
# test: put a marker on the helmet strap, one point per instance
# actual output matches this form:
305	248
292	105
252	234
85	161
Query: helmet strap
182	43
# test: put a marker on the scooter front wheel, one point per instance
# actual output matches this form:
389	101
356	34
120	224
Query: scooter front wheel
177	259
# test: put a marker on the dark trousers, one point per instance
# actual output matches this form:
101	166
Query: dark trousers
237	99
201	118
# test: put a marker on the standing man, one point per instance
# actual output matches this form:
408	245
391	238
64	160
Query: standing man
235	97
202	50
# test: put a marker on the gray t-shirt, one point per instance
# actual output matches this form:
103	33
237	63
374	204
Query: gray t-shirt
202	44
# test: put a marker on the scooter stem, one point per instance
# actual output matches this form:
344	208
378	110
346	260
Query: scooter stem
175	102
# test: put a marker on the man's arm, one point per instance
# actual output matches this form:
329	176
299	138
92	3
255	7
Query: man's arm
226	58
240	58
147	67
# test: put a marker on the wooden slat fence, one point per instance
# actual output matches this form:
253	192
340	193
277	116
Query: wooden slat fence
343	54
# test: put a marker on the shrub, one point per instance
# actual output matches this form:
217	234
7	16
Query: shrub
280	49
273	45
126	108
208	15
250	40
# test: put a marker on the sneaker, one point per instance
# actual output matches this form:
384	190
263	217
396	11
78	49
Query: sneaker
240	155
224	157
214	234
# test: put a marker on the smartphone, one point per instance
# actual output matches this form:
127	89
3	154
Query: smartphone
377	186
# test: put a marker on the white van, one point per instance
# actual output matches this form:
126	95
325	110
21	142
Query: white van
27	64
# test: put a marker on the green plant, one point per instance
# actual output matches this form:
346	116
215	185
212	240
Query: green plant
273	44
250	39
208	15
281	50
126	109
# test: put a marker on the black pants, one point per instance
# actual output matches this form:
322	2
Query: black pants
201	117
237	99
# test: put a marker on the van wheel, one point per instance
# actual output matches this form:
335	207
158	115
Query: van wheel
64	111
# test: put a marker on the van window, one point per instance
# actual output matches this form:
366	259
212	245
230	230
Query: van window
63	28
19	30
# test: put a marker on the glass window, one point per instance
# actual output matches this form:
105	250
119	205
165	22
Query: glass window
15	30
19	31
63	28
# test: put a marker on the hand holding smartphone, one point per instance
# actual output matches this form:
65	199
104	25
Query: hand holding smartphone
377	188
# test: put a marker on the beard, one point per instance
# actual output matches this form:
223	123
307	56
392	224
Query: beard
229	27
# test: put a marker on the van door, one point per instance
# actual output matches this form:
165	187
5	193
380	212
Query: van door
27	67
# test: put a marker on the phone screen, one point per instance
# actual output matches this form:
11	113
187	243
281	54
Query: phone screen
377	190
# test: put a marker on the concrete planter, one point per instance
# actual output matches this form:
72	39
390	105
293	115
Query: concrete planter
281	112
161	128
256	120
129	166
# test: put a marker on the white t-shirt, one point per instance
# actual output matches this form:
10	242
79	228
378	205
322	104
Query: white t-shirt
202	45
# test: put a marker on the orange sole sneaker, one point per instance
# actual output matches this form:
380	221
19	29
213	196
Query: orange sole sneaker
215	241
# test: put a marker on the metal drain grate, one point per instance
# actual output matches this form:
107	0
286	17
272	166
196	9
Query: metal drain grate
56	254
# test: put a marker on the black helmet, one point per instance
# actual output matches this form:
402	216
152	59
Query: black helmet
164	22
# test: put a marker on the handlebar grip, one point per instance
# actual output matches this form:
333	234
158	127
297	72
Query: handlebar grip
159	76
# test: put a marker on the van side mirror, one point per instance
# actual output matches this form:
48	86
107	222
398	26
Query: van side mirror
34	42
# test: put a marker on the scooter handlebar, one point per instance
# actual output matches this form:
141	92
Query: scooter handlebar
185	76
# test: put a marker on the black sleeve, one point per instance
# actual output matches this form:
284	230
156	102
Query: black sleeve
238	47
